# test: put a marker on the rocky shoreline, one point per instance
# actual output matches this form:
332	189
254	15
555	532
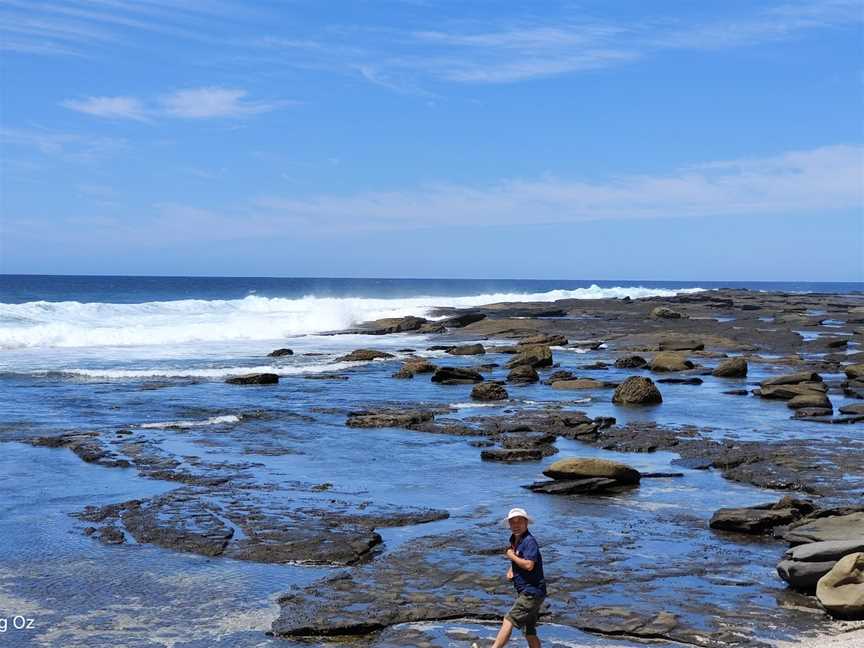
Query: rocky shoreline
811	344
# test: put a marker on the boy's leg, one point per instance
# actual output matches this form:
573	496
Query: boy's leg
533	641
503	634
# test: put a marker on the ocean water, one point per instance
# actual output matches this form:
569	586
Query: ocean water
151	355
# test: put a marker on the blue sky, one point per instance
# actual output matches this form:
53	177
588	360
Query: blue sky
682	139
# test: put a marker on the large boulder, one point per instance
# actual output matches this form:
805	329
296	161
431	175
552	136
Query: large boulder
662	312
489	391
841	590
630	362
363	355
389	325
467	349
761	518
804	565
535	355
637	390
544	339
731	368
387	418
788	392
254	379
456	376
524	375
670	361
835	527
278	353
792	379
459	321
581	468
855	372
414	366
816	400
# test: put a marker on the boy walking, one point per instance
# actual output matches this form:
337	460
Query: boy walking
526	572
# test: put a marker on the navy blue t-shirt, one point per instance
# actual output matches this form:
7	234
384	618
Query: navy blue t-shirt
530	582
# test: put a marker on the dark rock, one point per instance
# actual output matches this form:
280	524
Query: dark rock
812	412
555	376
459	321
630	362
489	391
390	325
574	486
855	371
254	379
736	392
815	400
792	379
523	375
278	353
670	361
662	312
681	381
731	368
111	535
362	355
467	349
637	390
788	392
543	340
512	455
761	518
387	418
536	356
456	376
853	409
680	344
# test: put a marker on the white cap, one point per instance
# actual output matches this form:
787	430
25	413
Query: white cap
518	512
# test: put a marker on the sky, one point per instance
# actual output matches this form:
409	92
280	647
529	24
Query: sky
606	139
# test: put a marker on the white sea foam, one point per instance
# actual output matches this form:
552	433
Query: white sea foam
213	420
209	372
76	324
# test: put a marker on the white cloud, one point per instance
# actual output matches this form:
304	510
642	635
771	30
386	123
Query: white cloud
191	103
70	146
817	180
209	102
109	107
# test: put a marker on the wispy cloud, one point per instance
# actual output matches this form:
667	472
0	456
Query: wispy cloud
820	179
109	107
69	146
192	103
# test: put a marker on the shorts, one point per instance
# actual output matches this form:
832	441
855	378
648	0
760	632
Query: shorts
525	612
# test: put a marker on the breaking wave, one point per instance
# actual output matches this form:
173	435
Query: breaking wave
76	324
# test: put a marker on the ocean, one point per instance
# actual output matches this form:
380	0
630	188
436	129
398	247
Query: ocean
149	356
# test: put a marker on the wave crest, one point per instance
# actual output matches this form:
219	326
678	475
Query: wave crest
76	324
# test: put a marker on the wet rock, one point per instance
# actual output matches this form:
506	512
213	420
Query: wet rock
413	366
670	361
853	409
364	355
403	374
841	591
731	368
459	321
816	400
792	379
387	418
456	376
326	376
595	366
111	535
467	349
630	362
489	391
837	527
761	518
681	344
536	356
788	392
680	381
575	486
510	455
637	390
555	376
736	392
278	353
516	440
855	371
254	379
580	468
582	383
812	412
804	565
525	374
662	312
390	325
543	340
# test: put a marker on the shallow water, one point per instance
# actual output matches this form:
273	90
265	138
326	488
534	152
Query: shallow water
83	593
